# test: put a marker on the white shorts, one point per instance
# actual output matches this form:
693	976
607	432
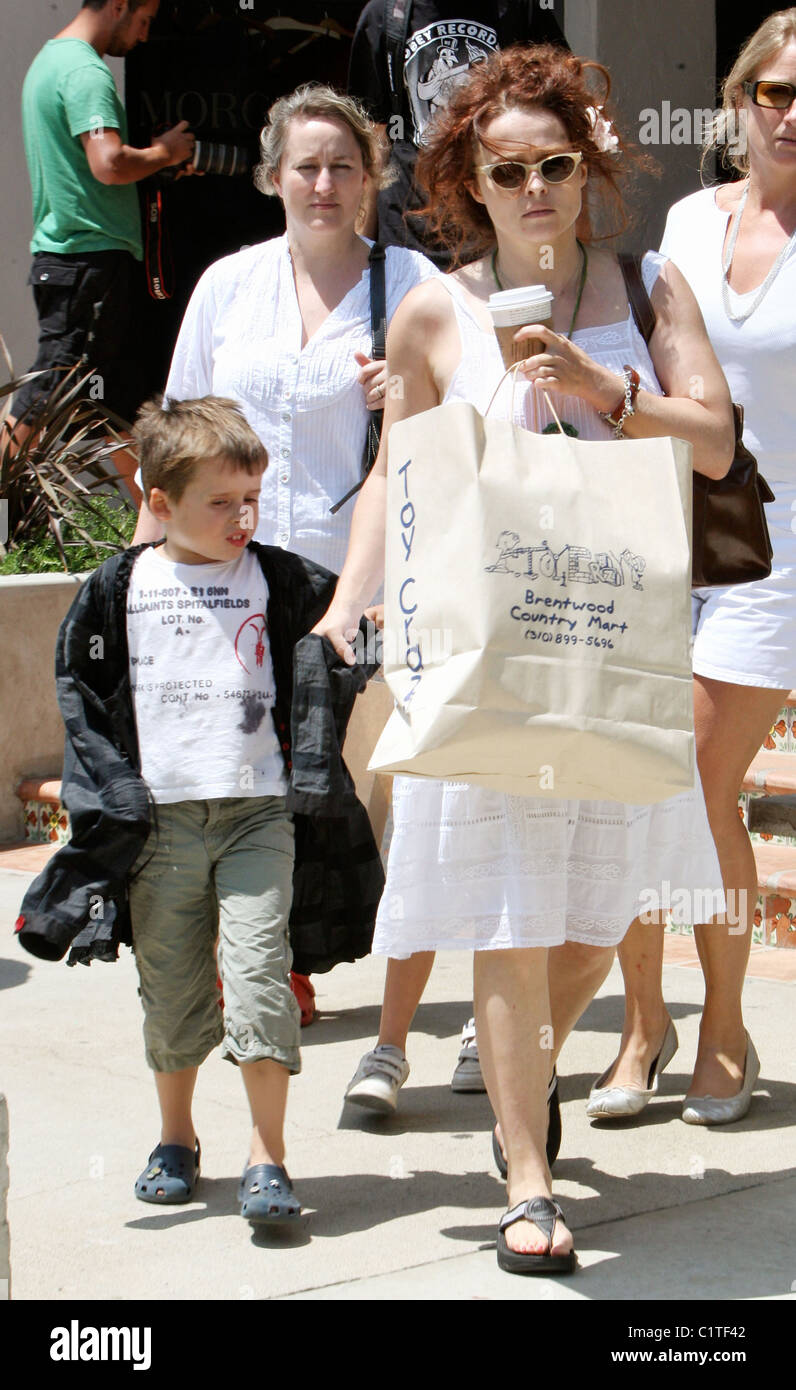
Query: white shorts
746	634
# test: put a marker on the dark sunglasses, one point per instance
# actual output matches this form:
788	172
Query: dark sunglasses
778	95
511	175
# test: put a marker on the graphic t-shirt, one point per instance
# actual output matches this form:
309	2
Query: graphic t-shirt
202	678
437	59
68	91
444	39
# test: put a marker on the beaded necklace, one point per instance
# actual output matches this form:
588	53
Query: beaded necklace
725	269
584	268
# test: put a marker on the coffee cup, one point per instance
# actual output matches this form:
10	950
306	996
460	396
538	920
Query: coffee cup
513	309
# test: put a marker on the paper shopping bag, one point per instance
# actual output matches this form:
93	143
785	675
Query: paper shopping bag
537	609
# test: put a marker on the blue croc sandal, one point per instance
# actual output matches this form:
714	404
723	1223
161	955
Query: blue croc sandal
266	1195
171	1174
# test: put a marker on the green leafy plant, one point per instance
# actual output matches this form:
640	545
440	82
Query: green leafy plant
64	499
109	525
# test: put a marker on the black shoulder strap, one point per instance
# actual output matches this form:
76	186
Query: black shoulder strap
639	300
378	300
397	14
378	330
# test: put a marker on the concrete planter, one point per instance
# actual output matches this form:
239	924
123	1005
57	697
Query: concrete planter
32	607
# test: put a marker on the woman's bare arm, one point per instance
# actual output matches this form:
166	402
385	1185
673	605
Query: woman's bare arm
697	405
418	324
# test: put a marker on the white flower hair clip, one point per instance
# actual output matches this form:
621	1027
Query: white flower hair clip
602	130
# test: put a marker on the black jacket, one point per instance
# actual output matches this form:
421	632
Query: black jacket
80	899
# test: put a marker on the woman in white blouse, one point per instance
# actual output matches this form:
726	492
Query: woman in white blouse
283	327
736	246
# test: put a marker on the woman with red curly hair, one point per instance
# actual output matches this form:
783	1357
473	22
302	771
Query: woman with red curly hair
542	890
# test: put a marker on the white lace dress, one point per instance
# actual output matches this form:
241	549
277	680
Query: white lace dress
475	869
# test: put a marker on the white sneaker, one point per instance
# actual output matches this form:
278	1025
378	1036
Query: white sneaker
467	1073
378	1078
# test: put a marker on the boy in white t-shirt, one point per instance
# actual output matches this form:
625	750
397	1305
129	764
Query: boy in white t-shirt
219	859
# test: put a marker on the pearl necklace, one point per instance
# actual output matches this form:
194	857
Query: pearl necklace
770	278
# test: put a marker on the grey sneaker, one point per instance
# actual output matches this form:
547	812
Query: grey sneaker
467	1074
378	1079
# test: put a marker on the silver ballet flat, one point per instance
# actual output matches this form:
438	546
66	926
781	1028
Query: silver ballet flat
618	1102
712	1110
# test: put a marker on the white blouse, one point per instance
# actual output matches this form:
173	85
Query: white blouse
241	337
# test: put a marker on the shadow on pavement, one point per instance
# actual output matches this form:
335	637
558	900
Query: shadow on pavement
606	1013
424	1110
644	1249
435	1020
215	1197
363	1202
13	972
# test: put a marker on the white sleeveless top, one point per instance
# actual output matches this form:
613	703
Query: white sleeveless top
481	366
758	356
471	868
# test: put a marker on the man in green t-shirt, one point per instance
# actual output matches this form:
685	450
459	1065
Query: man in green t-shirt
86	226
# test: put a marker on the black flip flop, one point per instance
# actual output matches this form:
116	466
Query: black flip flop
544	1213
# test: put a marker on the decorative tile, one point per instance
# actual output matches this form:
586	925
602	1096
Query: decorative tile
46	823
777	737
55	824
32	818
758	923
762	837
780	921
759	927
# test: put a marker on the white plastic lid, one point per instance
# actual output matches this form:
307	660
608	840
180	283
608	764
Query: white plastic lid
526	304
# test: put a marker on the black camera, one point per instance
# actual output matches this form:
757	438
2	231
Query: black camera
213	157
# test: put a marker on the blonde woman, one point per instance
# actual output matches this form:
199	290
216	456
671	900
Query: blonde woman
736	246
283	327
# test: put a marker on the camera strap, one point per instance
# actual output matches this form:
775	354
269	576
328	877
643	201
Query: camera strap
397	14
378	333
158	259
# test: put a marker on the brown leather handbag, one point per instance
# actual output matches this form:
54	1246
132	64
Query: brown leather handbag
730	540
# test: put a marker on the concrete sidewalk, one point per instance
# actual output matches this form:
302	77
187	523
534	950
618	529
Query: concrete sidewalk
404	1207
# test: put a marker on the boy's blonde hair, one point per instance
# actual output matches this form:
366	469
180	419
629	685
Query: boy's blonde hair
174	437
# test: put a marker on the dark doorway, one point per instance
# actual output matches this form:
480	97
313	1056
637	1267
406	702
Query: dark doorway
219	64
734	25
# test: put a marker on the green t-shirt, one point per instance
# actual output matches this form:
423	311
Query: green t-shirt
68	90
